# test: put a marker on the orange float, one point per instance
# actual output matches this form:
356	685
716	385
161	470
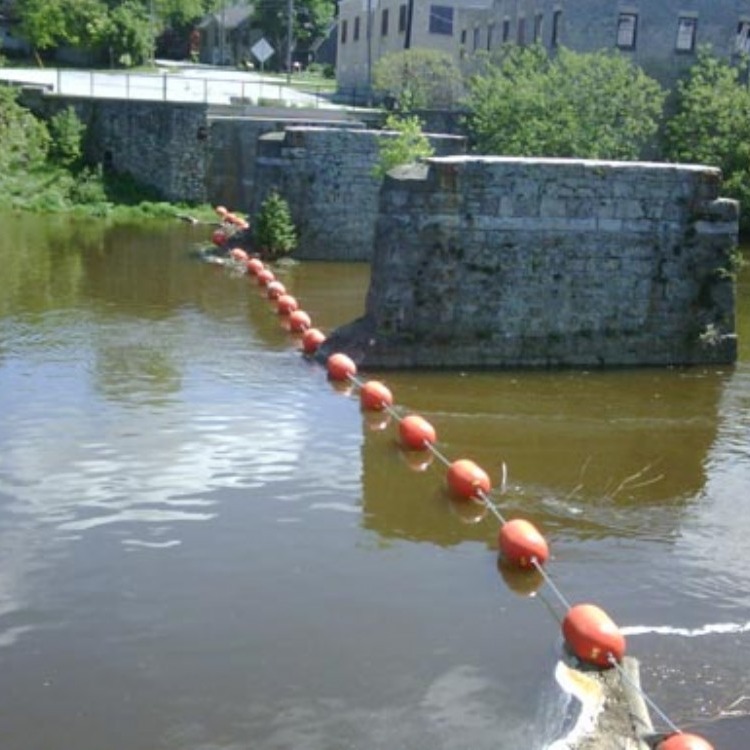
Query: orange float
312	339
265	277
218	237
467	480
274	289
416	432
286	304
340	367
254	265
592	636
239	255
299	321
375	396
520	542
681	741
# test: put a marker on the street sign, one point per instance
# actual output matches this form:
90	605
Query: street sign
262	50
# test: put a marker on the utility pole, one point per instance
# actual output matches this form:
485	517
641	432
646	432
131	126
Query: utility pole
289	37
223	31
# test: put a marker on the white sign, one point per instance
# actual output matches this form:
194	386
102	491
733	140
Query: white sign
262	50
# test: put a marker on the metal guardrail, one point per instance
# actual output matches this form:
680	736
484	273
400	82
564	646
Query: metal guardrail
177	87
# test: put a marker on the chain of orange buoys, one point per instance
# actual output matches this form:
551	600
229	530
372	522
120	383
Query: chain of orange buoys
587	629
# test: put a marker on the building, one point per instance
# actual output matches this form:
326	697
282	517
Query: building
227	35
661	37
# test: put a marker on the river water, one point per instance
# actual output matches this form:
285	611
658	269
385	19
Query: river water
205	545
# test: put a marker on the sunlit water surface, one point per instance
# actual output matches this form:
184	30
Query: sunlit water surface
205	545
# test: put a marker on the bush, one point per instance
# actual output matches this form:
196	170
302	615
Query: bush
419	79
711	125
274	231
24	140
67	131
594	105
408	145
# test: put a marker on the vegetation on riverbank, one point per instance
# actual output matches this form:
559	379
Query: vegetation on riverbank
42	169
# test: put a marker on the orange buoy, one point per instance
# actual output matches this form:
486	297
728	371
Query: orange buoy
416	432
375	396
312	339
265	277
466	479
218	237
592	636
274	289
520	542
286	304
254	265
221	211
340	367
682	741
238	254
234	219
299	321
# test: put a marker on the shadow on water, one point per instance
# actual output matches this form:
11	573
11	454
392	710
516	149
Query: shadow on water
582	451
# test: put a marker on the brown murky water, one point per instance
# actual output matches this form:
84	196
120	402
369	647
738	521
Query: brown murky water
205	545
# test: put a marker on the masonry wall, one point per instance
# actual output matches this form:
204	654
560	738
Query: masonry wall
232	167
509	262
326	176
161	144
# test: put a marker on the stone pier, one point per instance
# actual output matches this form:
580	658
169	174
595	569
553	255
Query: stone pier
510	262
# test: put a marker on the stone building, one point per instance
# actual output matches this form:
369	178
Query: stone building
662	37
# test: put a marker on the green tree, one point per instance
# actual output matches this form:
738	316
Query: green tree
24	140
312	19
67	131
593	105
711	125
129	33
274	231
51	23
409	144
419	79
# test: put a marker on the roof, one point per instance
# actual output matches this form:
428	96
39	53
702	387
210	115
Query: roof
229	17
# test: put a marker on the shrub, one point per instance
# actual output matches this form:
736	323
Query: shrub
408	145
67	131
274	231
591	105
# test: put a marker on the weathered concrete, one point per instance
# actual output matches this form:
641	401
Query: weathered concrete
624	722
510	262
326	176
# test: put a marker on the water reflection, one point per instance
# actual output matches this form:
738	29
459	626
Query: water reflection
582	451
204	543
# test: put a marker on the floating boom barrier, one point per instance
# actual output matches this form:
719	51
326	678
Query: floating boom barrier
588	631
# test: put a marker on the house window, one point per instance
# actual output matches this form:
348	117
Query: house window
506	30
355	36
463	37
441	19
401	18
521	31
490	34
476	39
686	29
343	32
627	25
742	42
384	23
556	28
538	27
